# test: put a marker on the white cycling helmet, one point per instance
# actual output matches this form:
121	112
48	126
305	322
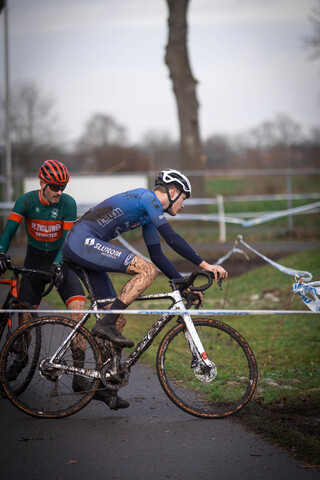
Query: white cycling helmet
174	176
165	177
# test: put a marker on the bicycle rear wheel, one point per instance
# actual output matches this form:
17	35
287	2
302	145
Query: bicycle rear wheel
52	392
8	324
218	391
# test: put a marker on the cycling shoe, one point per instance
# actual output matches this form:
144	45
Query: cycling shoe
110	332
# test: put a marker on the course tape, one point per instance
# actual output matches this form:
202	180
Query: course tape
307	276
289	271
192	313
307	290
249	223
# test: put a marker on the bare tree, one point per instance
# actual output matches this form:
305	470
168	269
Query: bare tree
102	130
313	40
192	156
162	150
274	143
219	151
34	125
282	131
103	147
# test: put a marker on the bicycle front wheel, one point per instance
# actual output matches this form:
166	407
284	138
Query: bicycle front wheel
52	392
8	324
211	392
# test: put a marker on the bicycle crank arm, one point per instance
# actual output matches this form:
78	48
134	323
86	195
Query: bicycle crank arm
52	371
114	380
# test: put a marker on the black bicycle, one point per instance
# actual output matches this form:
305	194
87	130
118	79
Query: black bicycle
204	366
14	317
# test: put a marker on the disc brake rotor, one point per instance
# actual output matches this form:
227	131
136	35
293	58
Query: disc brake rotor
205	373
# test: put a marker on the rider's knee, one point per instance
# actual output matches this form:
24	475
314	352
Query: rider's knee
152	272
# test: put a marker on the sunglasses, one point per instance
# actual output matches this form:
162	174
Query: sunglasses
56	188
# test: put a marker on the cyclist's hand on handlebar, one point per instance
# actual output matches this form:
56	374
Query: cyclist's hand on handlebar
218	271
199	298
56	273
3	263
194	298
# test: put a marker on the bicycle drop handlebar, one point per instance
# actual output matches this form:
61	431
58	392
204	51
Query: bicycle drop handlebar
21	270
188	282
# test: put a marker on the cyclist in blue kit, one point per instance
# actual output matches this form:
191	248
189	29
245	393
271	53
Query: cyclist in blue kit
89	244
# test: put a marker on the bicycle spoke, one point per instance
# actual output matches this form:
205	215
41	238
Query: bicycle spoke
208	392
52	392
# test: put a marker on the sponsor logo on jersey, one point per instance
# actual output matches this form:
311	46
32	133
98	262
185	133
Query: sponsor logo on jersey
89	242
108	251
128	259
135	225
44	230
54	213
109	216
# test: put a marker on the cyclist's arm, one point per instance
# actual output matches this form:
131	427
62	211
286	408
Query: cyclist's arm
178	244
14	220
151	238
161	261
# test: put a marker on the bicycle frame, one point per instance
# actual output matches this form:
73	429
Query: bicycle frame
12	295
14	285
191	335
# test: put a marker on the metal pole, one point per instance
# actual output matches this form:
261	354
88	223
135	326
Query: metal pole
8	187
289	201
222	220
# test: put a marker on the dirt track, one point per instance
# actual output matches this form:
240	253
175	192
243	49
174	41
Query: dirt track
152	438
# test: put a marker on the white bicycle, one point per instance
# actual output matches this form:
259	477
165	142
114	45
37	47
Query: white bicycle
205	366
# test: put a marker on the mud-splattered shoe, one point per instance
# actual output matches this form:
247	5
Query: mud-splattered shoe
110	332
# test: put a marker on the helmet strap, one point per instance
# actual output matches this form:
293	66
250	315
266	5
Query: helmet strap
171	202
44	192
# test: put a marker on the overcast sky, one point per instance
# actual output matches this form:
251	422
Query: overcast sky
107	56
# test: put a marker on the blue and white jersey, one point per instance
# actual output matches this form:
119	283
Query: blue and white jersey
123	212
88	242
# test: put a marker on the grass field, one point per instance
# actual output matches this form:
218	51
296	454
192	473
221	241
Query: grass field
265	185
286	404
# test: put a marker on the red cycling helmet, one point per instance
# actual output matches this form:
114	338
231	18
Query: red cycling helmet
54	172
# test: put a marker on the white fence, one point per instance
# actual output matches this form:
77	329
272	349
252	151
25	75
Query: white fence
89	190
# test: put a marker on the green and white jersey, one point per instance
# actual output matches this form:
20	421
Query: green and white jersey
46	225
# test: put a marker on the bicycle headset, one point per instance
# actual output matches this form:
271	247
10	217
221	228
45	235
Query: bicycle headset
168	176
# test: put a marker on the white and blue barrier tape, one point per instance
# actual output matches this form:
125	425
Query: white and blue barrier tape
302	288
192	313
308	293
288	271
253	221
307	276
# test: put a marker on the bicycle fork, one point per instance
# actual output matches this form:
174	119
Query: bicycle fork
204	368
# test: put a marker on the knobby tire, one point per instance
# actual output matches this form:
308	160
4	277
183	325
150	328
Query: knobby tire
207	397
16	320
51	393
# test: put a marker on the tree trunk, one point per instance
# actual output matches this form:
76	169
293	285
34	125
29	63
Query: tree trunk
192	155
